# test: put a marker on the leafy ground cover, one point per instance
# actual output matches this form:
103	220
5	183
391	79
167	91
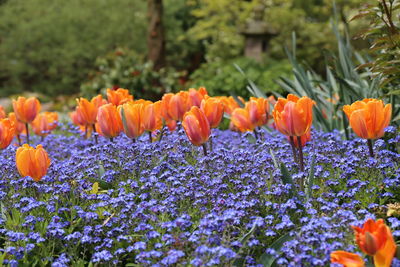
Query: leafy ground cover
165	203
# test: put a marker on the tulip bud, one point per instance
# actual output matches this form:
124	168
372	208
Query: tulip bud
109	121
32	162
19	126
241	120
196	96
7	132
44	123
26	109
152	119
2	113
196	126
119	96
178	105
132	119
214	110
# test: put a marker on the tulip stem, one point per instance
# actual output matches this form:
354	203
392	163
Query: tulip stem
41	138
255	133
133	140
19	139
111	139
211	143
27	132
300	156
95	134
293	148
370	147
161	134
86	131
205	149
150	138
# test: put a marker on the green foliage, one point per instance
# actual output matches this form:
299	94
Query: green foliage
123	68
48	46
222	78
219	24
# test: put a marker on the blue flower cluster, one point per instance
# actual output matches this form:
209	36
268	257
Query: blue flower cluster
165	203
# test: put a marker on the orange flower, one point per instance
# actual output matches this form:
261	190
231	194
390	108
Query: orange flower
230	103
304	139
375	239
347	259
213	109
19	126
171	124
109	121
196	126
293	115
258	110
132	119
165	105
32	162
77	118
44	123
2	113
241	120
178	105
88	110
119	96
7	132
26	109
196	96
152	120
369	117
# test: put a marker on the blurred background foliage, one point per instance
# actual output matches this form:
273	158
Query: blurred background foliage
57	47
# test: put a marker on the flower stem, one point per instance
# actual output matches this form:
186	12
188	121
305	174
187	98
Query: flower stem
111	139
300	154
293	148
301	162
150	138
204	149
370	147
19	139
27	132
255	133
95	134
161	134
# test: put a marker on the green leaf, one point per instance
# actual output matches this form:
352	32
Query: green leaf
266	259
310	178
273	158
287	179
103	184
246	237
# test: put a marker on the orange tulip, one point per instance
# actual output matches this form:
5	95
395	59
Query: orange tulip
293	115
88	110
152	119
132	119
44	123
213	109
171	124
347	259
178	105
375	239
196	96
241	120
196	126
304	139
7	132
32	162
258	110
165	104
26	109
368	117
2	113
230	103
19	126
119	96
109	121
77	118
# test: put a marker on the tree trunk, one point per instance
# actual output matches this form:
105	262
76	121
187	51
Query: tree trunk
155	34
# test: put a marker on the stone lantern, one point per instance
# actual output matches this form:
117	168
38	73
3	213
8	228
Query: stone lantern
257	34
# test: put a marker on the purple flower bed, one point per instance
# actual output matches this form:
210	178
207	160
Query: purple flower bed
164	203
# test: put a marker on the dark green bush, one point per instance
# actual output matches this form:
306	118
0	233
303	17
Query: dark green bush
49	46
124	68
223	78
